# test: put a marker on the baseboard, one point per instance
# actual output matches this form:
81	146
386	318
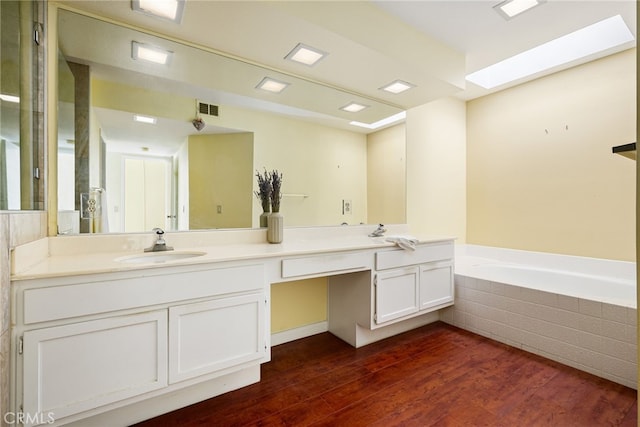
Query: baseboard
297	333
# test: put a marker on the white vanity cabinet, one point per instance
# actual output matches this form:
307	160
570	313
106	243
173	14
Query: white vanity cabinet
397	294
214	335
75	367
407	283
90	344
402	290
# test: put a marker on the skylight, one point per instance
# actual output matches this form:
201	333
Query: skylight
595	38
383	122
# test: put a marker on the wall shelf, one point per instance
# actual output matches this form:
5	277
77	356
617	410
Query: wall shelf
626	150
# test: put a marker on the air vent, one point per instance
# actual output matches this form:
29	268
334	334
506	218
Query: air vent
208	109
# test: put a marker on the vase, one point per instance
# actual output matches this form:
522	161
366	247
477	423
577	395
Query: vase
263	219
275	227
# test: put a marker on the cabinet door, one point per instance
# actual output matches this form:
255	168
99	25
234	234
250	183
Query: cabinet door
214	335
436	284
73	368
396	294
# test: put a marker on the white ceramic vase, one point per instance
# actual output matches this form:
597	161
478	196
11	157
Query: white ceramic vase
275	227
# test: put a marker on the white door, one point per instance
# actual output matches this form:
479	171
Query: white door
214	335
73	368
146	194
396	294
436	284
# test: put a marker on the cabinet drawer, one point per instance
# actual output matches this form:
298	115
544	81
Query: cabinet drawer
61	302
422	254
325	264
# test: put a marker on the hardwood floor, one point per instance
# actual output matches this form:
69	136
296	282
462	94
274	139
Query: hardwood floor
434	375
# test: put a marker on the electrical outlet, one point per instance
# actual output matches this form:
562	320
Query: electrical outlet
346	207
219	208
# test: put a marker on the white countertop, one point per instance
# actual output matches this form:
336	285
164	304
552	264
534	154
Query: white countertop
93	254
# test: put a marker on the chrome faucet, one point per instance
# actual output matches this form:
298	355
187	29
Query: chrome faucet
378	231
160	244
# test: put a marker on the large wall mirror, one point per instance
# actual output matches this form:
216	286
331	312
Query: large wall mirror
130	157
21	106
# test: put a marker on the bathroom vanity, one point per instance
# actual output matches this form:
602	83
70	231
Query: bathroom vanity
100	339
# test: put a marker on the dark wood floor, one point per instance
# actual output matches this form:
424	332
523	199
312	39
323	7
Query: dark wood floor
435	375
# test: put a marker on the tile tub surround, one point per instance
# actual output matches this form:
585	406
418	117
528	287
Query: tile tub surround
595	337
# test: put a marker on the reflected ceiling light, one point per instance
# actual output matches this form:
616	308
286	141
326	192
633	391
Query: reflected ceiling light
10	98
510	8
144	119
354	107
306	55
386	121
150	53
272	85
165	9
397	86
595	38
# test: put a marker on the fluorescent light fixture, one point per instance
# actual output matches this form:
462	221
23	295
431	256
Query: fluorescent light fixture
165	9
150	53
10	98
397	86
510	8
272	85
383	122
595	38
306	55
354	107
144	119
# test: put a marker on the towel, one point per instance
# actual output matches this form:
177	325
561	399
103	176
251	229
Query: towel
406	243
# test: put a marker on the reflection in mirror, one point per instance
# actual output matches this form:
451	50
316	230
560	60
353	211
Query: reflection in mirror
164	172
21	107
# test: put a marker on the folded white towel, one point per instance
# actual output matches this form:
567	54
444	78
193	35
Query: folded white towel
406	243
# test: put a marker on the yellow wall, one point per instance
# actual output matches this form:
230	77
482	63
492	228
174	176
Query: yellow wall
436	168
541	175
386	176
298	303
220	176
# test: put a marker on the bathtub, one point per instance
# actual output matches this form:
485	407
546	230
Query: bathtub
578	311
602	280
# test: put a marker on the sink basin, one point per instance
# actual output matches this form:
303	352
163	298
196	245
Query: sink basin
159	257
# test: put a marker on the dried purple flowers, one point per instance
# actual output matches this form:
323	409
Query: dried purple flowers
269	187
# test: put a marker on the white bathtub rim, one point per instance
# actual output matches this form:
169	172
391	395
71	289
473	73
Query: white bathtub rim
619	273
561	262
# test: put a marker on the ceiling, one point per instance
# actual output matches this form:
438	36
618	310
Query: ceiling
429	43
371	43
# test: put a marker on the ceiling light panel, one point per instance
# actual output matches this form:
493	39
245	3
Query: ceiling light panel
164	9
144	119
150	53
595	38
397	86
10	98
510	8
354	107
306	55
272	85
